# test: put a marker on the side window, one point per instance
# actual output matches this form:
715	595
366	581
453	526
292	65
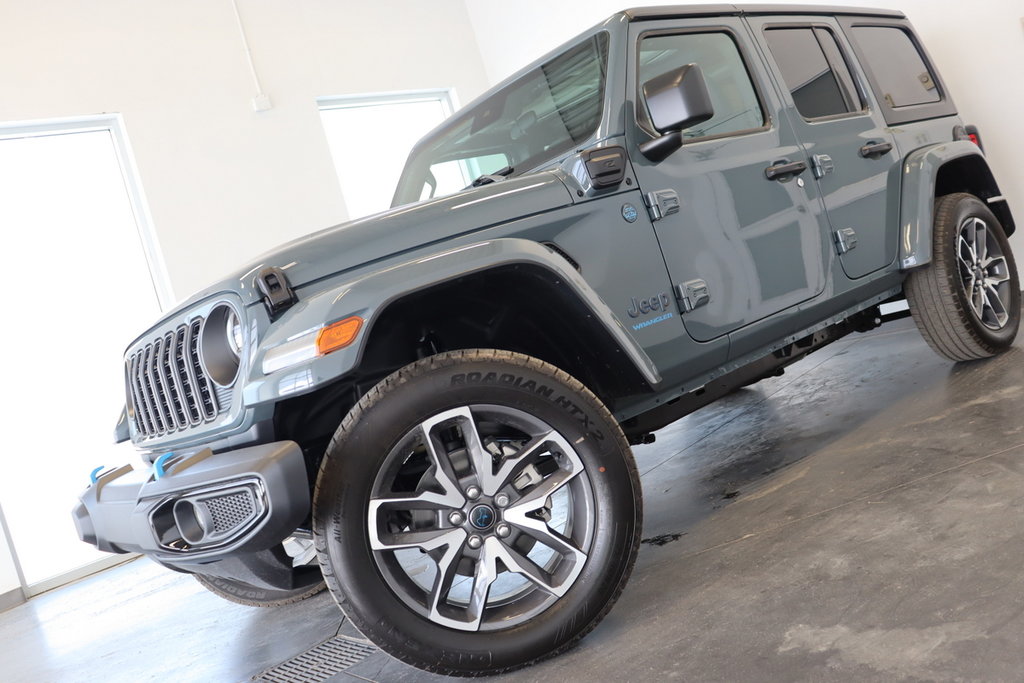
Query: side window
737	107
902	76
814	71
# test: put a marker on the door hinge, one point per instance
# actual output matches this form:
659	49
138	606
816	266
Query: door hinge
822	165
846	239
693	294
661	203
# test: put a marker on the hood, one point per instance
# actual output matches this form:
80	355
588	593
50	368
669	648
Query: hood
364	241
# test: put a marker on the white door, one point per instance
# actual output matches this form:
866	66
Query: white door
76	288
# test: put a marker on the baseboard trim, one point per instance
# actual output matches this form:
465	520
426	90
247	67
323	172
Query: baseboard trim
11	599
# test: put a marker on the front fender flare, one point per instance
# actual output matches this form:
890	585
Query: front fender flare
370	294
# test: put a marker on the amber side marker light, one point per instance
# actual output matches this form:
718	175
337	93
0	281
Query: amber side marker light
338	335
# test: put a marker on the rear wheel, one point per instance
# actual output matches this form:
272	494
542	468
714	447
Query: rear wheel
966	302
477	511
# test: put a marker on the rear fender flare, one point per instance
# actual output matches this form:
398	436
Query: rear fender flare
921	170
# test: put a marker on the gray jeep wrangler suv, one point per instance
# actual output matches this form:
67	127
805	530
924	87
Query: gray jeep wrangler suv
430	410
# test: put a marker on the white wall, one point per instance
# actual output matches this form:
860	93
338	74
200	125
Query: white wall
225	183
978	48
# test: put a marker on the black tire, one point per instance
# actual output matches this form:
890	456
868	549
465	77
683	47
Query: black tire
362	454
306	579
957	323
251	596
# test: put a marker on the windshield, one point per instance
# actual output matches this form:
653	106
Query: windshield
544	113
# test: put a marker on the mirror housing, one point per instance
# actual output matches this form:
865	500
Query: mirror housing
675	100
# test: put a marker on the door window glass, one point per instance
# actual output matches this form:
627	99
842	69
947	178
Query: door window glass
733	96
820	86
840	68
899	69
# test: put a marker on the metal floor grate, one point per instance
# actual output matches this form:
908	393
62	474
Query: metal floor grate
319	663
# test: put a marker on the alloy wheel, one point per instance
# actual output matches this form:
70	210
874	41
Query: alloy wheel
481	517
984	273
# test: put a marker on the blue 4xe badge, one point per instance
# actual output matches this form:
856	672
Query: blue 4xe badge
630	213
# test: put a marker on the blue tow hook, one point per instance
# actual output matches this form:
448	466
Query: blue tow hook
158	465
94	476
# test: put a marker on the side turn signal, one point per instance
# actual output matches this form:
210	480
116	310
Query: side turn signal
338	335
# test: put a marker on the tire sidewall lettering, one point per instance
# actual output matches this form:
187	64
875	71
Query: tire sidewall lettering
567	402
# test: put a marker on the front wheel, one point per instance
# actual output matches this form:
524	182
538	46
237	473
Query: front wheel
966	302
477	511
295	551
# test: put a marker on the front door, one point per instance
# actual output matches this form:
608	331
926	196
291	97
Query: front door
756	243
851	152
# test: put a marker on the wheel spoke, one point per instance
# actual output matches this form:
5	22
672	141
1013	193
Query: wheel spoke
971	283
442	466
980	239
995	304
486	573
510	467
447	570
426	540
978	302
520	564
536	497
996	271
480	459
539	530
971	255
994	281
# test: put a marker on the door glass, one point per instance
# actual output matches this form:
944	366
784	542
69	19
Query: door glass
808	74
840	67
81	290
732	93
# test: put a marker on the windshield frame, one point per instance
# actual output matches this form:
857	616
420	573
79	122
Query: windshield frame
413	178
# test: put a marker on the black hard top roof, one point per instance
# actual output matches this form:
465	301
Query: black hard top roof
683	11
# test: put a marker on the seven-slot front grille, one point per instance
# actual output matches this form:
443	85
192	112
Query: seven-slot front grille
167	387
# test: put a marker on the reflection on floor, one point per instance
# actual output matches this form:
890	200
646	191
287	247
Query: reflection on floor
859	518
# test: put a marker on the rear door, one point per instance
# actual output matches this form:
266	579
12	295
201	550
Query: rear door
756	244
853	156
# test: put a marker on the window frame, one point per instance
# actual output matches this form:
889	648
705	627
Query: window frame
643	119
858	84
114	124
910	113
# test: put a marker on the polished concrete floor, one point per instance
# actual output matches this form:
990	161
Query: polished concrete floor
859	519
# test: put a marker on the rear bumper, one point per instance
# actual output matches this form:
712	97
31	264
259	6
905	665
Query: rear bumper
199	507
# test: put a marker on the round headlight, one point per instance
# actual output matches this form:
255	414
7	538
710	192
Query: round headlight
234	332
220	344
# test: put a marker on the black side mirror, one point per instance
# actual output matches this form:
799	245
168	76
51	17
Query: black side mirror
676	100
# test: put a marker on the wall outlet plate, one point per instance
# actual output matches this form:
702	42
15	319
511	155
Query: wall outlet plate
261	103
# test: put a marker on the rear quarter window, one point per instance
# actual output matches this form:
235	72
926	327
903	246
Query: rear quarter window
902	77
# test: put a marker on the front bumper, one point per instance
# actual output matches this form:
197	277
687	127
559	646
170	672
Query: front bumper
198	508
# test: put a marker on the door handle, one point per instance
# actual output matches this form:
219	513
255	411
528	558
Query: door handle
785	170
874	150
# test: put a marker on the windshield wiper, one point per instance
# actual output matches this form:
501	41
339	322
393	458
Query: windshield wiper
489	178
